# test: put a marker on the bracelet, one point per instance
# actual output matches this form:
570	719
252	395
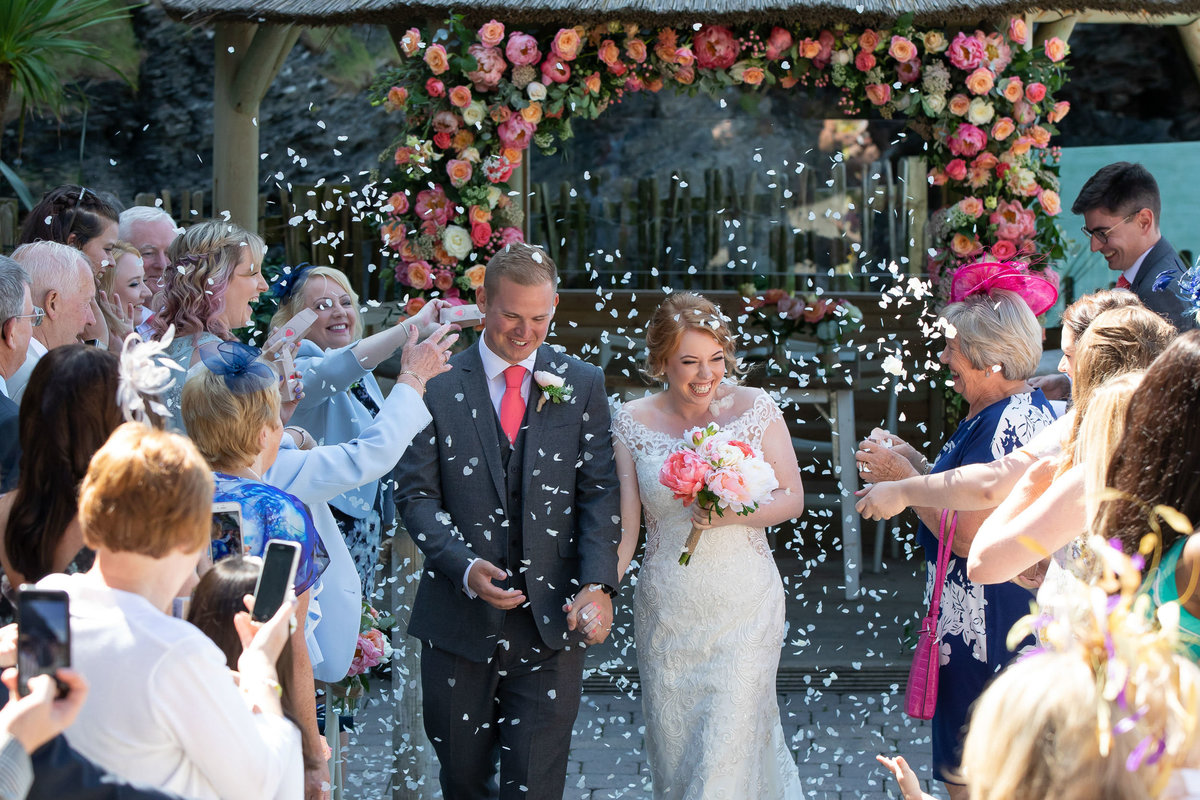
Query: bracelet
306	438
415	375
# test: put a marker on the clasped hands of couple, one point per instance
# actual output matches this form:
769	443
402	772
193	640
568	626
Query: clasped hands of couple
590	611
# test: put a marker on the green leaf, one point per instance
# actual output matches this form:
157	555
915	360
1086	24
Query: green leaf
18	186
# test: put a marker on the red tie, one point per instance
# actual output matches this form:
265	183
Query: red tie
512	406
1123	282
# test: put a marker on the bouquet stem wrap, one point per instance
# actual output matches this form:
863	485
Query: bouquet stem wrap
689	546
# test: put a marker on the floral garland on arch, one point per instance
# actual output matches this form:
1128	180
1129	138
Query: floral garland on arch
472	102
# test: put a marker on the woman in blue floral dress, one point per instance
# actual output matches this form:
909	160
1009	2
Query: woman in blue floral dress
993	344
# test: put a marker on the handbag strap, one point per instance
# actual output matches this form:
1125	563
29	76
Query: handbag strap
945	540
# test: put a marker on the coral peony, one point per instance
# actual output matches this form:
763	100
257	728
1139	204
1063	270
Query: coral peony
967	140
1013	221
490	67
715	47
684	473
778	43
966	52
515	133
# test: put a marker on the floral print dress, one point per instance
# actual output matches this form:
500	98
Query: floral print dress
974	620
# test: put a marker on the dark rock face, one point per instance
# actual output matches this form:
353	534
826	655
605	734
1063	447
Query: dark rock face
1129	84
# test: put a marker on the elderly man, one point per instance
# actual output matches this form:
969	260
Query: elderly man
151	230
62	285
18	318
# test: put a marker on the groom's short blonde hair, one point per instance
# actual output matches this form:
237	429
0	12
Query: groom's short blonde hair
523	264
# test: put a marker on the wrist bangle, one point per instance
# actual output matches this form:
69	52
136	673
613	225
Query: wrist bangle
419	379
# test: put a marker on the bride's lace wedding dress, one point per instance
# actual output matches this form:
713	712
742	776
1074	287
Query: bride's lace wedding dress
708	636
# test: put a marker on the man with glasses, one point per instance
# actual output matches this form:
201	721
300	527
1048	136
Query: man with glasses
18	318
1121	207
62	284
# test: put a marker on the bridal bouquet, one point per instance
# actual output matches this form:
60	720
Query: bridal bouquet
719	472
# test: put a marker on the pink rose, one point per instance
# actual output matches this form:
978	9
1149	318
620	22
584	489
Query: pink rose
715	47
865	61
523	49
778	43
1003	250
1035	92
481	233
1056	49
956	170
1018	31
435	88
967	140
490	69
966	52
684	474
555	70
879	93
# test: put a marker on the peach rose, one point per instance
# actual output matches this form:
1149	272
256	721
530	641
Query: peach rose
566	44
635	49
462	140
684	57
810	48
752	76
492	33
685	75
1040	136
1056	49
1003	128
532	113
609	53
460	171
592	82
971	206
1050	202
474	275
477	214
935	41
868	40
419	275
879	93
1013	90
960	104
964	246
410	42
414	305
397	98
1059	111
460	96
435	57
981	81
1018	32
655	84
902	49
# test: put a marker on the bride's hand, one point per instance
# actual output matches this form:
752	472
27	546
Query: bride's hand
703	518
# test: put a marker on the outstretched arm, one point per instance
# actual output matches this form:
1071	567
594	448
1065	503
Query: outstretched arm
972	487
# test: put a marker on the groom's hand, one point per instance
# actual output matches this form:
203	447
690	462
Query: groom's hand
480	581
590	611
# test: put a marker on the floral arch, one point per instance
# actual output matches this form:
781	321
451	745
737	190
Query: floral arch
474	101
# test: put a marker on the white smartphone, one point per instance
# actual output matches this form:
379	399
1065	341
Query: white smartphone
284	336
461	315
278	576
227	538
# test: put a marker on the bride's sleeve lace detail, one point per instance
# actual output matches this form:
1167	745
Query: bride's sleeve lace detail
637	438
756	419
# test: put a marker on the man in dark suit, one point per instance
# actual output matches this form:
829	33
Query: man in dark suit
1121	208
514	501
18	317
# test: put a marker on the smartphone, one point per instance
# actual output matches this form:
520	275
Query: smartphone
277	578
462	315
43	635
227	539
286	334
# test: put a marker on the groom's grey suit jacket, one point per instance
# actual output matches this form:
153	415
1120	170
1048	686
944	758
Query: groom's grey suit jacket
451	493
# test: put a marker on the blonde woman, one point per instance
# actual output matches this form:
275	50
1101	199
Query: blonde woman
341	396
123	293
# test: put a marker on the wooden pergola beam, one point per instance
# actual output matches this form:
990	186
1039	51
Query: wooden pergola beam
248	57
1112	17
1048	30
1190	34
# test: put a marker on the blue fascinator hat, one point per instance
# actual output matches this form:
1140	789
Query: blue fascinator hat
288	280
240	365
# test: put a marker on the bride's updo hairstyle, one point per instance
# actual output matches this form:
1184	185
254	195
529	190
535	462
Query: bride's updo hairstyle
680	312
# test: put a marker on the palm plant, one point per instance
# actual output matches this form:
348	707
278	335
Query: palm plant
36	36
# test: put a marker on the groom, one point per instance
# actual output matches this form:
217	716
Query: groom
515	506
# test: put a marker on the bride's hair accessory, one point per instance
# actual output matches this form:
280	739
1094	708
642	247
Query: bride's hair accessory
239	365
983	278
143	375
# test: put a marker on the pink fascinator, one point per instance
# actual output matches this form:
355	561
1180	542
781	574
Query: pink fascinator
1037	292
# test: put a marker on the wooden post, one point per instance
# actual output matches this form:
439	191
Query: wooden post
248	56
1190	34
415	766
1060	27
916	193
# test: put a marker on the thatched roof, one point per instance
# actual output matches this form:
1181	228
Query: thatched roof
560	12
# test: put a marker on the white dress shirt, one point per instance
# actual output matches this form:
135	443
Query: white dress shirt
16	384
1131	273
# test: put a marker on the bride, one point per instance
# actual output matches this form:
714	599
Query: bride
708	635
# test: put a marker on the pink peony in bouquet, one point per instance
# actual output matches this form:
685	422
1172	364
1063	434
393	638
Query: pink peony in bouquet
719	472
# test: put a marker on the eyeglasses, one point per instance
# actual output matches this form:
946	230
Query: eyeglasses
37	316
1102	233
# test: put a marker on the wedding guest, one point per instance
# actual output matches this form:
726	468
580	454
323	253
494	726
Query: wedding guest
151	230
218	598
1121	209
216	273
993	344
18	318
342	397
983	486
230	407
27	723
67	414
125	293
707	666
164	709
62	286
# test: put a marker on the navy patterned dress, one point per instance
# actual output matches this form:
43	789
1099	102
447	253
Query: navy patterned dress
974	620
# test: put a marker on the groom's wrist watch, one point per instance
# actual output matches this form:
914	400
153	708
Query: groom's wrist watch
608	590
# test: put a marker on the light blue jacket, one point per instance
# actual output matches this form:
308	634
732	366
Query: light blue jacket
333	416
318	476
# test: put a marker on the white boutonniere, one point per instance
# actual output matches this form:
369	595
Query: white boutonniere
553	387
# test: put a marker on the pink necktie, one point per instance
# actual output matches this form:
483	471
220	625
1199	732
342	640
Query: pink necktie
1122	282
512	406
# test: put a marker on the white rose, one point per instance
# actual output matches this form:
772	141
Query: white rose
934	103
493	196
457	241
980	112
546	379
843	57
474	113
760	479
536	91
